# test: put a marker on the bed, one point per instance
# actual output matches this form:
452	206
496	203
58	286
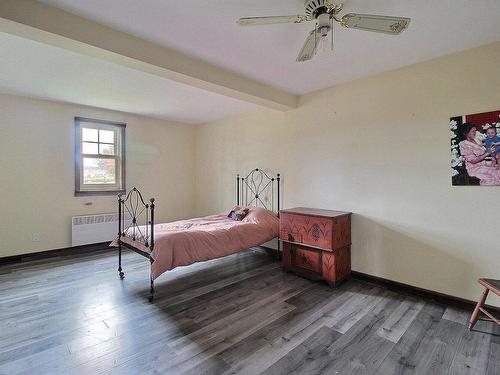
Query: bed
184	242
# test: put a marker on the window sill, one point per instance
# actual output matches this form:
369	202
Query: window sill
86	193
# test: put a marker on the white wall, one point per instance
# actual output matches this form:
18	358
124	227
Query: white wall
378	147
37	170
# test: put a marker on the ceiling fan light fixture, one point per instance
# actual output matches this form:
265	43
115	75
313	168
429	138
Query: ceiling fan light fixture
324	29
323	45
324	32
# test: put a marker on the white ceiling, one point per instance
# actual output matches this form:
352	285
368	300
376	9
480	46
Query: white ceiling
34	69
207	30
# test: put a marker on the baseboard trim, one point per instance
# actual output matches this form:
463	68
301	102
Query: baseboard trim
442	298
74	250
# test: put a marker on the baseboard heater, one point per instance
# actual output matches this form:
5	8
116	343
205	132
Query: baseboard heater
90	229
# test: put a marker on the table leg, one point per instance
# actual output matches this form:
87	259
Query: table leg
475	315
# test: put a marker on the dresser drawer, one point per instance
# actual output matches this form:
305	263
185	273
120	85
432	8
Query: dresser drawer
308	259
323	232
309	230
290	236
331	266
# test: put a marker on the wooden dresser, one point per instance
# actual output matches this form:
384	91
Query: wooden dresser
316	243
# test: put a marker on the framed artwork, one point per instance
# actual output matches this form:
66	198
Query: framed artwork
475	149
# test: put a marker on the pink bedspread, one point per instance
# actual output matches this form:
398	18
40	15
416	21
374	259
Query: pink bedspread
184	242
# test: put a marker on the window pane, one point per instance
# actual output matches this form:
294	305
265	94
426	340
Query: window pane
89	134
98	171
89	148
107	136
105	149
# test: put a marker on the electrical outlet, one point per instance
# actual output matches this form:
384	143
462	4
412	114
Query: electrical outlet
35	237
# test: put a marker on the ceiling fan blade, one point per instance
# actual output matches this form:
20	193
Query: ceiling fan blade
380	24
309	49
251	21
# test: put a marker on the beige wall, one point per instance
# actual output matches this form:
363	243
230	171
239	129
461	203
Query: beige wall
37	170
378	147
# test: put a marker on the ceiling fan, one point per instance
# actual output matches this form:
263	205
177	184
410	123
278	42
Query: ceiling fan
324	12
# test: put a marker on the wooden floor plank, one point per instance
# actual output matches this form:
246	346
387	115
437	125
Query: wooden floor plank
457	315
400	319
179	321
238	314
312	350
277	346
354	310
14	335
471	357
493	365
360	350
193	356
404	356
198	352
437	351
310	306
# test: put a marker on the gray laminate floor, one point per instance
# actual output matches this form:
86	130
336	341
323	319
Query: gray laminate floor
240	314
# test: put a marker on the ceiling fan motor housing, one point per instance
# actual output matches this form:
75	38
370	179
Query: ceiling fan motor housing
315	8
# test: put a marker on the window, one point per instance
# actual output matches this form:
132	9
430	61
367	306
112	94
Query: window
99	157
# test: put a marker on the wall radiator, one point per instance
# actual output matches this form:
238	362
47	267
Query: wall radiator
91	229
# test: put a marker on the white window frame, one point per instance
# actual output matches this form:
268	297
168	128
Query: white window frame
118	128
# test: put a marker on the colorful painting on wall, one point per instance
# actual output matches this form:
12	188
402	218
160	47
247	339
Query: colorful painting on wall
475	149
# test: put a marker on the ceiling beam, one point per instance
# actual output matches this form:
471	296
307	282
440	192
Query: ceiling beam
43	23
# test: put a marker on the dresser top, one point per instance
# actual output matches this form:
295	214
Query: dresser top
314	212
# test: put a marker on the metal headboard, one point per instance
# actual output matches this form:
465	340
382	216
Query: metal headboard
141	214
259	189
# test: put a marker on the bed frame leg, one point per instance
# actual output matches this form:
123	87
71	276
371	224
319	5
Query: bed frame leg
120	272
278	252
152	289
